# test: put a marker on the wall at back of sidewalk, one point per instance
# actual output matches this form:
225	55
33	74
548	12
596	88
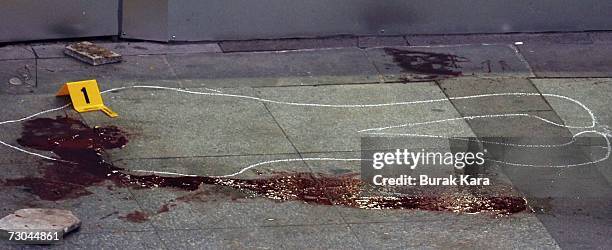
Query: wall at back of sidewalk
206	20
24	20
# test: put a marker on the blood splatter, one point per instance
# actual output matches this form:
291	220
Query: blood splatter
136	217
426	65
165	208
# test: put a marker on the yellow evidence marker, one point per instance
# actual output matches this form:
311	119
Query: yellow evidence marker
85	96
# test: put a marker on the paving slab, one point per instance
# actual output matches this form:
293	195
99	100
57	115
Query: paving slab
421	63
381	41
323	129
293	237
50	50
573	199
574	232
472	86
150	48
114	240
307	67
288	44
329	66
15	52
56	50
579	183
595	94
372	216
527	130
573	207
133	70
601	37
14	246
228	70
567	201
466	231
568	60
163	123
520	127
17	76
570	38
525	127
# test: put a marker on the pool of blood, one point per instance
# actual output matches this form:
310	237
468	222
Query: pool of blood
82	165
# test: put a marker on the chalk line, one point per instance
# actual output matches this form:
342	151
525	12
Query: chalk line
284	160
36	114
27	118
162	172
485	142
594	121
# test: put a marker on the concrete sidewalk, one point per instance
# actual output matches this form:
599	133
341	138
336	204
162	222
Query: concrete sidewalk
211	135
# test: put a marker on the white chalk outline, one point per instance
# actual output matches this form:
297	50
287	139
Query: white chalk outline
584	107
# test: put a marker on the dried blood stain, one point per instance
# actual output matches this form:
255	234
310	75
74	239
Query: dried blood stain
165	208
81	148
136	217
426	65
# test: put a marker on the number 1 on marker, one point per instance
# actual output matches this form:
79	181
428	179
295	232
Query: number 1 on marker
84	90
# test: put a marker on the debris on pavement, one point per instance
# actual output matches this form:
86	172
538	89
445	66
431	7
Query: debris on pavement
39	220
15	81
92	54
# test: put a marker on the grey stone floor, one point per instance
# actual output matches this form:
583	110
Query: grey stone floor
216	135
